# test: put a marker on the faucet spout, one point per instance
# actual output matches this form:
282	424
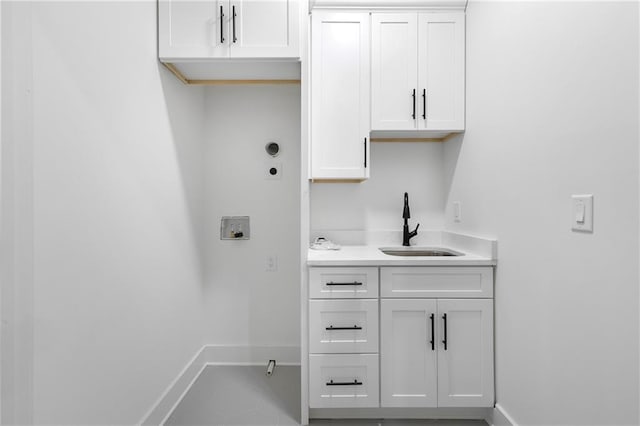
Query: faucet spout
405	212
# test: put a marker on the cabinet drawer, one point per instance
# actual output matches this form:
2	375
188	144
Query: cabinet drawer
343	283
343	380
435	281
343	326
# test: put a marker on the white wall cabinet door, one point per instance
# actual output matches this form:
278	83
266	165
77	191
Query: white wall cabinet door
264	28
408	351
394	71
340	109
465	363
441	53
191	29
209	29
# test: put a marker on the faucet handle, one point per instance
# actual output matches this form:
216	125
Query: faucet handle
416	230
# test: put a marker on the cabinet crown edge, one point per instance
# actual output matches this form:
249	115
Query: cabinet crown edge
393	4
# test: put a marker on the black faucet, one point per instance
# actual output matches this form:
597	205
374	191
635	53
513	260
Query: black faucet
406	235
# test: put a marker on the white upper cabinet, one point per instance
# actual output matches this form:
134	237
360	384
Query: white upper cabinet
394	70
417	72
340	113
206	29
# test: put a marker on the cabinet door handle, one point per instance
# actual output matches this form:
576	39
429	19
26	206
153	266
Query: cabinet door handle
354	383
424	104
233	20
444	318
413	96
221	24
353	283
433	336
355	327
365	153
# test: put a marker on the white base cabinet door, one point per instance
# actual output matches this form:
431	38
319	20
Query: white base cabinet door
408	353
465	362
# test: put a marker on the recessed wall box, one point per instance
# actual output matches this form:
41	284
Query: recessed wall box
235	228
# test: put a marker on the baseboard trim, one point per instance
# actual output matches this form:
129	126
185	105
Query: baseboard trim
215	355
454	413
499	417
175	391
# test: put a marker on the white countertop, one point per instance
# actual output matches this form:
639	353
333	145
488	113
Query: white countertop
372	256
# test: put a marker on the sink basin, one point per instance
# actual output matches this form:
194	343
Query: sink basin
419	251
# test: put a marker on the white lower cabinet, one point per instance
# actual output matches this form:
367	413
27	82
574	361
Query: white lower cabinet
436	352
427	341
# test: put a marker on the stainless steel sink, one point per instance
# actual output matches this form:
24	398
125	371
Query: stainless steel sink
419	251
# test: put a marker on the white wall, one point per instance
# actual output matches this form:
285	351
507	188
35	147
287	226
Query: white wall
17	218
552	110
116	291
245	304
376	204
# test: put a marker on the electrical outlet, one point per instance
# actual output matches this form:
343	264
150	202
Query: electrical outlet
271	263
457	211
273	171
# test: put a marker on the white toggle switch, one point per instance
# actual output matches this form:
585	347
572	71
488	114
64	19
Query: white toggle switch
582	213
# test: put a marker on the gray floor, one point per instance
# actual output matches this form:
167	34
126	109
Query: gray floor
244	395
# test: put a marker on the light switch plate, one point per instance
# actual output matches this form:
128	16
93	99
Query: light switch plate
582	213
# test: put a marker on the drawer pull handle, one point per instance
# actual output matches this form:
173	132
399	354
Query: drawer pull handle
353	283
354	383
355	327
